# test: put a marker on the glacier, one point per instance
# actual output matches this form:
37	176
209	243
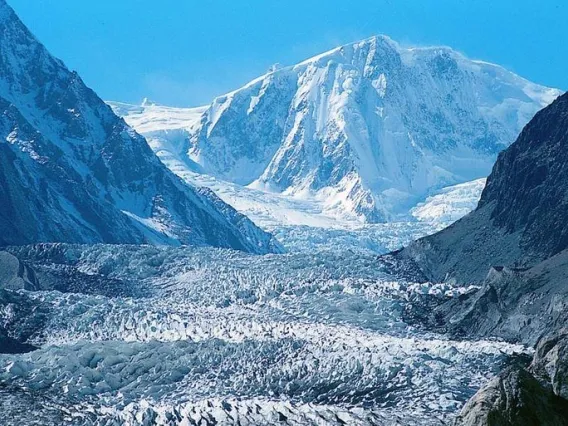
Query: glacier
212	336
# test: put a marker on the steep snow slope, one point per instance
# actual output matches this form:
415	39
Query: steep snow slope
229	338
71	170
368	128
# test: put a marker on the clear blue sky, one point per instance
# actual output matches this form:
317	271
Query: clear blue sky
185	52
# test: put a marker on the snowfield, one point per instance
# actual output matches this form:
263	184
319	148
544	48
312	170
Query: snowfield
208	336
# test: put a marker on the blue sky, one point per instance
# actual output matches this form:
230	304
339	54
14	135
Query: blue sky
185	52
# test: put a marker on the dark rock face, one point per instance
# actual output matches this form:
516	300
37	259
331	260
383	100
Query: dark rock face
521	218
514	398
72	171
551	362
525	397
529	185
15	275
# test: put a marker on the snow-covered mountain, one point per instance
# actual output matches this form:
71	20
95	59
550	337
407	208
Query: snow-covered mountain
300	224
367	129
72	171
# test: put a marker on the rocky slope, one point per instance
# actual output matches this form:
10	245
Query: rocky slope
369	128
72	171
515	244
514	304
520	396
515	398
519	221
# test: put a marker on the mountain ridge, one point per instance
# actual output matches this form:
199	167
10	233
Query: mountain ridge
368	128
518	222
72	171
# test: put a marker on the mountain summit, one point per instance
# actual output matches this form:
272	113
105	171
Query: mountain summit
368	128
72	171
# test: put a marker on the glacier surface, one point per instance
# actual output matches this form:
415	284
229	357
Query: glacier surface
212	336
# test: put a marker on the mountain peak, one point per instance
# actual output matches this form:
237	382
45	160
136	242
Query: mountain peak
378	39
148	103
381	43
372	125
